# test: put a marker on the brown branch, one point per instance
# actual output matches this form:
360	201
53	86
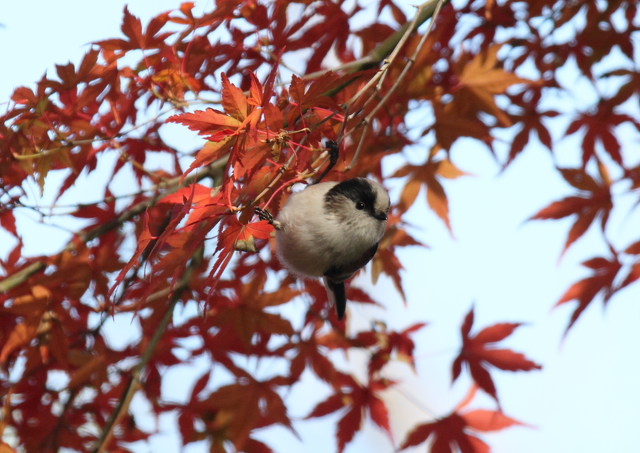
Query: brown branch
135	380
19	277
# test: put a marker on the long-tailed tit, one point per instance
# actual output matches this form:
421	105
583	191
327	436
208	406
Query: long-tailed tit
331	230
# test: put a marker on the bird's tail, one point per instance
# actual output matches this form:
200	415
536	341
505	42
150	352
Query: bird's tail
337	295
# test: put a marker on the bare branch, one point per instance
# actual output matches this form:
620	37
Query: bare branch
367	121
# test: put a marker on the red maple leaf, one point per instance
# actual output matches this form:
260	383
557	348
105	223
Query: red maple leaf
136	39
386	259
599	126
236	236
356	399
245	316
310	354
386	345
530	116
593	202
198	193
234	410
605	271
8	221
239	113
480	351
634	272
212	123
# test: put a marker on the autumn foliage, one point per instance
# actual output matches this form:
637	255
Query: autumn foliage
265	85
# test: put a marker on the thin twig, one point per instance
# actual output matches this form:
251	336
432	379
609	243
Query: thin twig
409	64
380	75
369	118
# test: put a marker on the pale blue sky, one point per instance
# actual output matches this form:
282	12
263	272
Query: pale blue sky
585	399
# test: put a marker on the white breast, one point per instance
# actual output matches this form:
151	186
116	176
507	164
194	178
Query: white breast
311	241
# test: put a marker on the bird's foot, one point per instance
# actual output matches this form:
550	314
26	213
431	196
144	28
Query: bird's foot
264	214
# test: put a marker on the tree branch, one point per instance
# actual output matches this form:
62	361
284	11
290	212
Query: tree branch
434	9
135	380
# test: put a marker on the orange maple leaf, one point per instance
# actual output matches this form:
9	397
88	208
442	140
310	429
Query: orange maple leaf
234	101
459	429
482	78
427	175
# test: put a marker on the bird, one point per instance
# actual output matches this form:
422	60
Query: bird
330	230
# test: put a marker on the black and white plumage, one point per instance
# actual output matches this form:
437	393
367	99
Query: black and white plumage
331	230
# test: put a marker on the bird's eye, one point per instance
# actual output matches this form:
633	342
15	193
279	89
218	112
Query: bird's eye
360	205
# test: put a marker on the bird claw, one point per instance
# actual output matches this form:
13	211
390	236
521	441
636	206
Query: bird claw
264	214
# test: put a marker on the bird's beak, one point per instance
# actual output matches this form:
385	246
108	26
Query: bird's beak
380	215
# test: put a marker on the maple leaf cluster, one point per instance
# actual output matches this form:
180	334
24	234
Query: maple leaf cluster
266	85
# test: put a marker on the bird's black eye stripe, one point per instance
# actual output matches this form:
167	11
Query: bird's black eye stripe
357	190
